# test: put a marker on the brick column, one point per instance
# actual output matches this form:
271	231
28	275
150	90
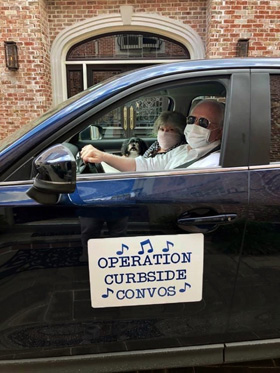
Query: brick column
25	93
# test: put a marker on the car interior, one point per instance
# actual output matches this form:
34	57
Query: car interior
125	117
135	118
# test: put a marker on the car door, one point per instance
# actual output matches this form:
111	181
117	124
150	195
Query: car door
46	301
255	308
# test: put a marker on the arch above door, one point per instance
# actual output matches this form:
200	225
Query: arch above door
143	22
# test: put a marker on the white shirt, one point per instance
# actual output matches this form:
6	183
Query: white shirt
107	168
211	160
178	156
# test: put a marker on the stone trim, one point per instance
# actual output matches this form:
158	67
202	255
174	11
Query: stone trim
144	22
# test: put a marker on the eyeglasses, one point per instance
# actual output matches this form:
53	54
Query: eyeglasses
202	122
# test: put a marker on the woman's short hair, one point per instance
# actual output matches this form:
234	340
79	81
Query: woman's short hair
172	118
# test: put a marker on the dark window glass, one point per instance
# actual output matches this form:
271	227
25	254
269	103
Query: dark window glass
74	79
135	118
275	118
124	45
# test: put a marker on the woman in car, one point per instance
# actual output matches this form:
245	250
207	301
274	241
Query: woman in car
169	129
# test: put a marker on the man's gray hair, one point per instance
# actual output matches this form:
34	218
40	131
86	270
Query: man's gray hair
218	106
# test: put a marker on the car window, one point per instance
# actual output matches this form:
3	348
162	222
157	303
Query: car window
133	115
275	118
134	118
28	127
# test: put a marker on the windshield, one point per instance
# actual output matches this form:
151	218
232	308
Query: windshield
29	126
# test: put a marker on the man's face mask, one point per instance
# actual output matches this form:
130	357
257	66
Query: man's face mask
197	136
167	139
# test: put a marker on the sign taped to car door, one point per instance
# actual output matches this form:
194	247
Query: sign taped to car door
130	271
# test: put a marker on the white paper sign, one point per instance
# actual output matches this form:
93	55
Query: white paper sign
130	271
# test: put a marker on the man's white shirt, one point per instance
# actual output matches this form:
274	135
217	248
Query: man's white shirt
178	156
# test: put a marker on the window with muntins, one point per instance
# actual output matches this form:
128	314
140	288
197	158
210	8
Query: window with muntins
128	45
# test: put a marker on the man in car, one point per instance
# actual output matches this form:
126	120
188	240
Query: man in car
203	134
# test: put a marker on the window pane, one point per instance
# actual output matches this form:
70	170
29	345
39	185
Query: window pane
74	79
143	112
123	46
111	124
275	118
135	118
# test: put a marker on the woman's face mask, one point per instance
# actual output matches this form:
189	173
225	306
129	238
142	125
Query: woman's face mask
197	136
168	139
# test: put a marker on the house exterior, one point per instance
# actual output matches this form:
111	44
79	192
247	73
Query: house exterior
66	46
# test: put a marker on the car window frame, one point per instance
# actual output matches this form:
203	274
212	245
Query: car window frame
74	126
260	126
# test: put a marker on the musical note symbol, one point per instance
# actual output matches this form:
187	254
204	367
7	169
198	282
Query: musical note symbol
143	243
166	249
107	293
184	288
120	252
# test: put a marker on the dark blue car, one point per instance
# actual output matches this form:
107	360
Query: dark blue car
182	265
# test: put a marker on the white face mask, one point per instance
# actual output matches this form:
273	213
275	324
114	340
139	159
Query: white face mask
168	139
197	136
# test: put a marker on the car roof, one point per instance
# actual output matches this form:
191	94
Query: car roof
200	65
128	79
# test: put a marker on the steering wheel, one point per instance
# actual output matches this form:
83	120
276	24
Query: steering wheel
82	167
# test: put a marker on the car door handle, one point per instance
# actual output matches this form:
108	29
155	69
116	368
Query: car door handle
214	219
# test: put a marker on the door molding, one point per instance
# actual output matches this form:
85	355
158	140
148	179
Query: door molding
106	23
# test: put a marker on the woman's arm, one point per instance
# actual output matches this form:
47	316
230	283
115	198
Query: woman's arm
90	154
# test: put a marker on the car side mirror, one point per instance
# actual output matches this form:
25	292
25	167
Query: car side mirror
56	174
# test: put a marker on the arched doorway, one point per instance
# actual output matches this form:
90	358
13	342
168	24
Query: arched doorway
98	58
116	23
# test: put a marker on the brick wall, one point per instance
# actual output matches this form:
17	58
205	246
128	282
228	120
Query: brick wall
26	93
65	13
256	20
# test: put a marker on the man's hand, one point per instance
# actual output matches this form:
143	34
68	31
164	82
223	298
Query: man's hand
90	154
